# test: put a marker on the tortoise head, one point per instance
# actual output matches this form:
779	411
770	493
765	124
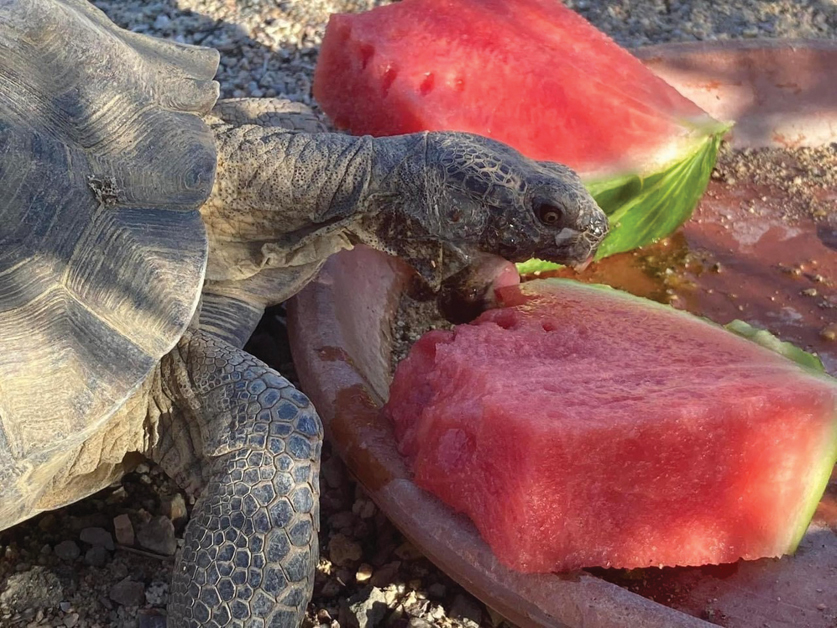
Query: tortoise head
476	195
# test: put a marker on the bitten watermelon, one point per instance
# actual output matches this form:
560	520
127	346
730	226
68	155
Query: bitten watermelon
537	76
580	426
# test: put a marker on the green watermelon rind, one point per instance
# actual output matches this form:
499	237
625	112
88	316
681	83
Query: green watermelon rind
643	208
821	474
811	365
818	481
769	341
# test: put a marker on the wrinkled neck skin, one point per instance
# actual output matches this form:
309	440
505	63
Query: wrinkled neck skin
285	200
405	216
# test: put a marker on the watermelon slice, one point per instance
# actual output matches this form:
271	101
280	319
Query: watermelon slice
580	426
537	76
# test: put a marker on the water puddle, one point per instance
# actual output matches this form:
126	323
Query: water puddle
754	250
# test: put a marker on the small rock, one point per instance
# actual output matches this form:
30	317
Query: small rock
119	570
341	520
418	622
364	508
71	620
392	593
157	594
96	556
91	520
65	607
158	536
48	522
496	618
330	589
151	619
368	607
117	496
407	551
333	472
467	611
128	592
124	530
36	587
162	22
174	507
364	573
344	575
97	537
437	590
67	550
386	574
342	550
436	612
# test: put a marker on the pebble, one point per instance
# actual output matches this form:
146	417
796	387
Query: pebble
407	551
364	508
467	610
496	618
97	556
368	607
67	550
162	22
437	590
157	594
343	551
35	587
128	592
151	620
342	519
385	574
364	573
157	535
333	472
124	530
174	507
97	536
71	620
331	589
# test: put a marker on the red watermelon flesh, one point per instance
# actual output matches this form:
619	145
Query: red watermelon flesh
530	73
580	426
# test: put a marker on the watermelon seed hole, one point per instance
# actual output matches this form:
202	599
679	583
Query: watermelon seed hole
427	84
504	320
367	51
389	78
548	326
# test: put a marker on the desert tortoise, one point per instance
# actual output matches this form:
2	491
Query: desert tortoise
144	230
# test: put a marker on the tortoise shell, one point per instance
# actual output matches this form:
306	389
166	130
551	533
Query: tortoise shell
104	162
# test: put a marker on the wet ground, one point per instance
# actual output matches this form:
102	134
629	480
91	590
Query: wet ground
761	247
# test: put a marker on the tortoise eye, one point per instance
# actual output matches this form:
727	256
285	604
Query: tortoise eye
548	214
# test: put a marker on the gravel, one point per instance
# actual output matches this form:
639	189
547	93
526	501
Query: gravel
55	572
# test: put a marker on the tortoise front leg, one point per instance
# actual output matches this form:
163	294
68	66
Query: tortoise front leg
250	443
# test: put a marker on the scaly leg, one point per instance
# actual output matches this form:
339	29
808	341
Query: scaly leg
249	443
